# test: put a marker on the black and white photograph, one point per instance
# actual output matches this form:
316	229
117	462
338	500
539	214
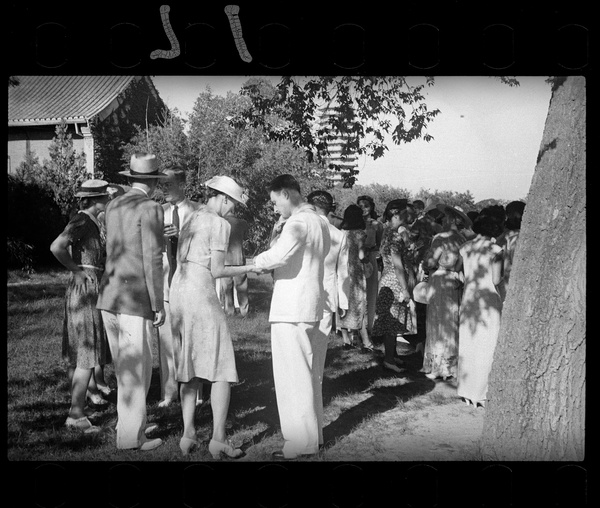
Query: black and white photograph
300	269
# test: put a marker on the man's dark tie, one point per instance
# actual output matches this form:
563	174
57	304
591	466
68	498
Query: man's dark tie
174	240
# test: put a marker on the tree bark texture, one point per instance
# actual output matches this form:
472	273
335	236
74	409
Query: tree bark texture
537	386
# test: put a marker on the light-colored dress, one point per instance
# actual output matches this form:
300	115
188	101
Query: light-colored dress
440	354
480	311
197	318
356	283
392	316
84	341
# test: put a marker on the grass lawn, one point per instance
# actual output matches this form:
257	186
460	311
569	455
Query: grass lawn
365	406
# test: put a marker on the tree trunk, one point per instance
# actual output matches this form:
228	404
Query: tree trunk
536	408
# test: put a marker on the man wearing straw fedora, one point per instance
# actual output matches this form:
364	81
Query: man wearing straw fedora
131	295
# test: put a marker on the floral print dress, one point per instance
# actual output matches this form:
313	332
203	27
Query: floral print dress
392	316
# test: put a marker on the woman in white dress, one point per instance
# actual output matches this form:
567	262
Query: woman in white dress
480	309
197	318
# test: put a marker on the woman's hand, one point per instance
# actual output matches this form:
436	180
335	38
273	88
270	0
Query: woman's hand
80	278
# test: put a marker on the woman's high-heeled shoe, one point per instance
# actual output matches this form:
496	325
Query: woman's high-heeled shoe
187	445
216	449
96	399
106	390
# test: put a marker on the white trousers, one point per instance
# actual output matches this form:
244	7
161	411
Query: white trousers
130	342
168	356
319	354
292	346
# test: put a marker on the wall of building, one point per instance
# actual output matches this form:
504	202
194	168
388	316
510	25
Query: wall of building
36	140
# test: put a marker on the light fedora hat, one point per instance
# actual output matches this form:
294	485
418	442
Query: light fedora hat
92	188
229	186
143	165
447	208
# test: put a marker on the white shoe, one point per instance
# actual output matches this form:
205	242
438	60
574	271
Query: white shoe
151	444
165	402
150	428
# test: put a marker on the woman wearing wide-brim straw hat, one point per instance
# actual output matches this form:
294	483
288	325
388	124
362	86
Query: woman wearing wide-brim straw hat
81	249
440	354
197	318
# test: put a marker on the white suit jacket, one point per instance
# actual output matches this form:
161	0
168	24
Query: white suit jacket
298	263
336	269
184	210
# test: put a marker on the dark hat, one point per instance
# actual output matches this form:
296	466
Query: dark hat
92	188
395	204
143	166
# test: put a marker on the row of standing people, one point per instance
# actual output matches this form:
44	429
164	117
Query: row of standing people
128	299
469	266
121	288
464	261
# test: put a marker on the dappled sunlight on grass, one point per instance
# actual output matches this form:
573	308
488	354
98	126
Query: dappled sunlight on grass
364	404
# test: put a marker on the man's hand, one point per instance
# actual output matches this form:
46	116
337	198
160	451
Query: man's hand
170	230
341	312
159	318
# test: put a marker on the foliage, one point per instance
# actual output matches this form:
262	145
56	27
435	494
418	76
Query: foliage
462	199
223	142
61	175
35	220
19	255
139	108
167	140
368	108
383	193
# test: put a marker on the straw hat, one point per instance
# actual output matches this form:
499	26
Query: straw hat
447	208
422	292
144	166
229	186
92	188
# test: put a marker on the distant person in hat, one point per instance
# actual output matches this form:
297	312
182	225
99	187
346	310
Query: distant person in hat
336	303
374	230
81	249
297	259
508	241
197	318
440	355
131	295
235	288
177	211
393	313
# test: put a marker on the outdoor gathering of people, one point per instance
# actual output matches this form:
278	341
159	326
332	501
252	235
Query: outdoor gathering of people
422	275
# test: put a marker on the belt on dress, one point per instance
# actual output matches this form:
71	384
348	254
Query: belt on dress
92	267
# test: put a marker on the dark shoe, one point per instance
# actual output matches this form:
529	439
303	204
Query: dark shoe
349	346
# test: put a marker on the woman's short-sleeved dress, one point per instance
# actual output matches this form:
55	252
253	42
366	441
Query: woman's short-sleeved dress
440	355
356	283
392	316
197	318
480	312
84	342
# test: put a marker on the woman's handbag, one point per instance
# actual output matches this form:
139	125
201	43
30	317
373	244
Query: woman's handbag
422	292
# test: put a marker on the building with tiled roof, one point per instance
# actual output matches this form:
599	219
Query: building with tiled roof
93	107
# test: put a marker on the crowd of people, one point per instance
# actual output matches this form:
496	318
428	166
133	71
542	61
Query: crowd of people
424	273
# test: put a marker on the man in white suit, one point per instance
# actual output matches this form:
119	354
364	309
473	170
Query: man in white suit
334	280
177	211
297	260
